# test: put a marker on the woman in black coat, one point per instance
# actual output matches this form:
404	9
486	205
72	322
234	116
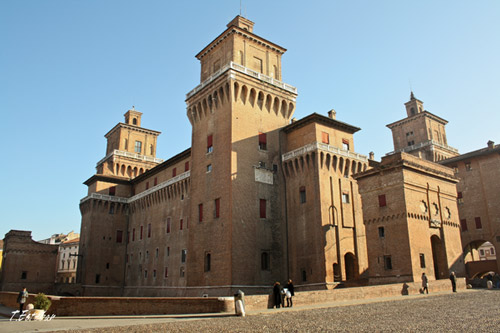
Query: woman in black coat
277	295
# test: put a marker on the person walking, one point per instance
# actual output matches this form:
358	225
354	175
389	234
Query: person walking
290	293
21	299
453	279
277	295
425	283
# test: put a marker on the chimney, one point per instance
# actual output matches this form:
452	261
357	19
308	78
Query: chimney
491	144
332	114
371	156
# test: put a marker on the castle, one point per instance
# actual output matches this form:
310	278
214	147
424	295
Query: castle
261	197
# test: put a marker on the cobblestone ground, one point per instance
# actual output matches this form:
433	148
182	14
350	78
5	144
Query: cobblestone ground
464	312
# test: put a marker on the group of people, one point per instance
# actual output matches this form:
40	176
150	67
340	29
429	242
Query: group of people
282	294
425	283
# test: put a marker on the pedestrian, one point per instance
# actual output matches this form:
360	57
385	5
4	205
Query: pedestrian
290	293
425	283
21	299
277	295
496	280
453	279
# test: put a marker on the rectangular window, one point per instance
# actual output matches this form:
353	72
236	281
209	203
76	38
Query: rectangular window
381	232
168	251
208	259
463	224
181	224
345	144
147	185
381	200
145	273
138	147
302	194
478	223
209	168
133	235
24	275
263	210
345	197
492	251
183	256
141	232
481	252
112	190
97	278
422	260
112	209
210	147
174	172
154	273
460	198
200	213
411	143
468	166
186	166
119	236
262	141
168	225
166	272
325	137
258	64
217	208
149	230
387	262
156	181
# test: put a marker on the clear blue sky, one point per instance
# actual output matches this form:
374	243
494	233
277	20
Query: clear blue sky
70	69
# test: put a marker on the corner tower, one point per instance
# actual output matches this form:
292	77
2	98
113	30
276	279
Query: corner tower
236	112
421	133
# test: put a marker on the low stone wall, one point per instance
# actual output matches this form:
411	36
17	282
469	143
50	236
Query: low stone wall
100	306
255	302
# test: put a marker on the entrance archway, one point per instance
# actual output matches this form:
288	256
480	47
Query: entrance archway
479	258
439	258
351	266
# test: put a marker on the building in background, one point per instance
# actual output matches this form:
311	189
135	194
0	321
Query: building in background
59	238
67	260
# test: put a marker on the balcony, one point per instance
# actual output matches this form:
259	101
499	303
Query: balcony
139	157
242	69
323	147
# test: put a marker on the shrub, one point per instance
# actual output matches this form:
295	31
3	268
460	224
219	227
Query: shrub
42	302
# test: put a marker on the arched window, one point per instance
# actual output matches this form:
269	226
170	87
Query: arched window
134	121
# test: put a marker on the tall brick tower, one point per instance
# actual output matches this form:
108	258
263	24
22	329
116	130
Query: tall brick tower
130	152
421	133
237	232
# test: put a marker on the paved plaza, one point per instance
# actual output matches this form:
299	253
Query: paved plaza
476	310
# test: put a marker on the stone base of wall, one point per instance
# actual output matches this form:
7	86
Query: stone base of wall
100	306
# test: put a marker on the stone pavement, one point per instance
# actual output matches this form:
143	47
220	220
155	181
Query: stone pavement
260	319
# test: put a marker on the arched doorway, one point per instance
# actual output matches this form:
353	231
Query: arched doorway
439	258
351	266
479	258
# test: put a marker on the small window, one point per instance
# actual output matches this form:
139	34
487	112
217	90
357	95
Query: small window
107	265
149	230
181	222
97	278
463	224
387	262
478	223
174	172
134	121
183	256
147	185
325	137
264	261
217	208
200	213
304	275
145	273
24	274
112	190
208	259
262	141
142	229
119	236
481	252
209	168
422	260
168	251
186	166
263	207
166	272
154	273
492	251
155	181
168	225
151	150
381	200
345	197
133	234
157	253
345	144
210	147
112	208
181	272
302	194
381	232
468	166
460	198
138	147
411	143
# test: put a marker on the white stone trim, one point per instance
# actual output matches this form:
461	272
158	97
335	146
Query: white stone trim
316	146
